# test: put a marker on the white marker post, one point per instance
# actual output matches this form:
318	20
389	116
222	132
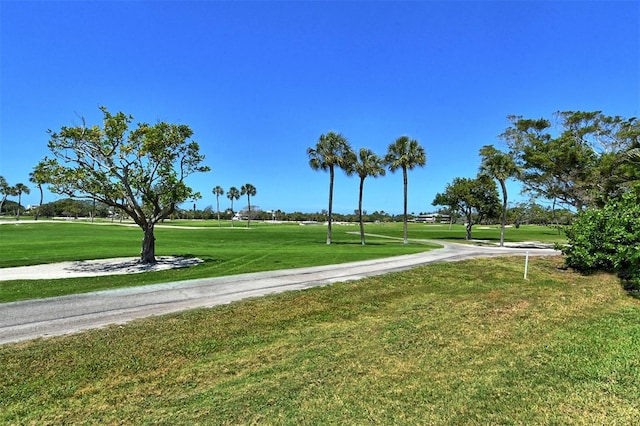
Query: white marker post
526	265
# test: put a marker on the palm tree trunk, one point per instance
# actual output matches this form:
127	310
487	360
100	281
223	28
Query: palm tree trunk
504	212
19	201
41	199
360	212
218	209
330	204
248	212
404	175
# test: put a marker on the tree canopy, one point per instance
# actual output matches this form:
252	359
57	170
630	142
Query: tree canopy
140	171
581	165
475	199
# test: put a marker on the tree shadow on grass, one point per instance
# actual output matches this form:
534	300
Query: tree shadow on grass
357	243
131	265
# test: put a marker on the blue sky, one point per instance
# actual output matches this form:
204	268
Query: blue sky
258	82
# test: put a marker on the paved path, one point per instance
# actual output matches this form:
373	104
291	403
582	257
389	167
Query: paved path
69	314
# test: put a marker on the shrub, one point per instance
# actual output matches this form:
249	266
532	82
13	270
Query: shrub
607	239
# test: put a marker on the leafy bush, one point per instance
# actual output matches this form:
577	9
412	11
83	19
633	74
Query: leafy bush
607	239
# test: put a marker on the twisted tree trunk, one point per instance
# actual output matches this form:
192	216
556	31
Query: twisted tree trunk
148	252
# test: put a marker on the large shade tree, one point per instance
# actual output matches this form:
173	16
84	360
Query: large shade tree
366	164
582	164
475	199
233	194
250	191
332	150
218	191
405	154
500	166
140	171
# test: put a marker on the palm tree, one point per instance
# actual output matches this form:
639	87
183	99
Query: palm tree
233	194
38	178
367	164
19	189
500	166
250	190
5	191
405	154
332	150
218	191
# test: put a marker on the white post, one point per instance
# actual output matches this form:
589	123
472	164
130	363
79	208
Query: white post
526	265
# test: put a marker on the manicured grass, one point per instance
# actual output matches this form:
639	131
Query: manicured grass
423	231
490	234
225	251
452	343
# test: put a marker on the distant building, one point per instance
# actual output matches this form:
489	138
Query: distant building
433	218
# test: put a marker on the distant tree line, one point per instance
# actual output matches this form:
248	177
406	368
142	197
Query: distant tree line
7	190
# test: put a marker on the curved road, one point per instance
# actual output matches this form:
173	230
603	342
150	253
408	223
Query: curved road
57	316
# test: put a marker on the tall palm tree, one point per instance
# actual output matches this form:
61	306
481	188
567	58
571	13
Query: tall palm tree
218	191
500	166
332	150
250	191
367	164
405	154
233	194
20	189
37	177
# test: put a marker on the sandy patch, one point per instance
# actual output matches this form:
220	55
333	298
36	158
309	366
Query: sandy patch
93	268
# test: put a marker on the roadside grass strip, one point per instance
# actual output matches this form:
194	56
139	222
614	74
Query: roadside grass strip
452	343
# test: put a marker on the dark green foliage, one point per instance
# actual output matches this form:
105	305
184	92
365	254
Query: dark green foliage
607	239
474	199
582	164
69	207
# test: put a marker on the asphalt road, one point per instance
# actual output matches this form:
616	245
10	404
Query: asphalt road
57	316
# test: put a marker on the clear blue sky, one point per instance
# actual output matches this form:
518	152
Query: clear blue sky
258	82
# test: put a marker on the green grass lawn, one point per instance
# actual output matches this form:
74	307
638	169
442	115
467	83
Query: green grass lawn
225	250
452	343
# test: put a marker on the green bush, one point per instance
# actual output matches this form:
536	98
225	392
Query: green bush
607	239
